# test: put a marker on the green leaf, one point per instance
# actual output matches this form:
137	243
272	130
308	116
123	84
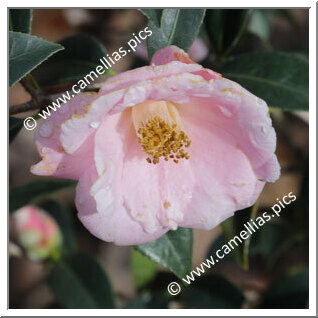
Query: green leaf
150	300
290	292
178	27
173	251
80	282
281	79
216	245
81	55
154	15
20	20
212	291
15	125
63	218
32	191
225	27
143	269
273	240
26	52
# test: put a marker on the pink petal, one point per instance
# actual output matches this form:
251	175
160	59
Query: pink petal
55	160
226	181
244	116
100	196
170	53
111	225
225	158
198	50
155	195
147	73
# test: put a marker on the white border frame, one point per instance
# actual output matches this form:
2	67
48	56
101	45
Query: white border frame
171	312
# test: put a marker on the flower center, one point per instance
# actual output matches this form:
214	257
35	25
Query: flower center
160	131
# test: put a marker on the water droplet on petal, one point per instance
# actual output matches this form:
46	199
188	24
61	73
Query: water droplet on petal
264	129
225	111
95	124
46	130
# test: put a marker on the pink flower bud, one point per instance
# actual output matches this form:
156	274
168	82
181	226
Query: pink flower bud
37	232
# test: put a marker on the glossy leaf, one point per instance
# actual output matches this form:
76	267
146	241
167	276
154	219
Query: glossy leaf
150	300
31	191
20	20
216	245
63	218
225	27
15	125
81	55
80	282
154	15
143	269
26	52
289	292
274	240
212	291
173	251
178	27
281	79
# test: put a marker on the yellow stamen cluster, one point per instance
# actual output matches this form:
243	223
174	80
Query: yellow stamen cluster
159	139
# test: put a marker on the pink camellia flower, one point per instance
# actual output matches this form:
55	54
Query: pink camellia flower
166	145
37	232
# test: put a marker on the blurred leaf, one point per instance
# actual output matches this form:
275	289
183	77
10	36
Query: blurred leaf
26	52
81	55
225	27
299	214
259	24
150	300
232	227
282	13
178	27
216	245
281	79
63	218
20	20
143	269
15	125
173	251
154	15
212	291
290	292
273	240
29	192
80	282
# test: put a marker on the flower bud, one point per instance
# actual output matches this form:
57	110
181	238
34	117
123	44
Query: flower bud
37	232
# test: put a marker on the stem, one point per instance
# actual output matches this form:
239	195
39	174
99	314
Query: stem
31	86
34	82
248	240
40	102
38	99
21	108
